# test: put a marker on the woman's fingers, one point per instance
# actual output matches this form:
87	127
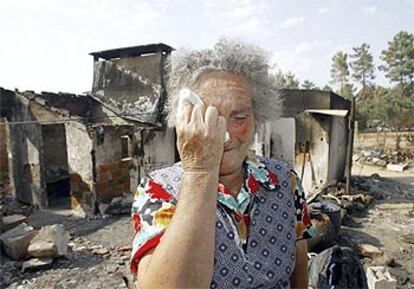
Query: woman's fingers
221	124
186	113
200	141
211	117
197	116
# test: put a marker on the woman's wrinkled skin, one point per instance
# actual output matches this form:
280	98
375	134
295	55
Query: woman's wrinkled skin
231	95
200	138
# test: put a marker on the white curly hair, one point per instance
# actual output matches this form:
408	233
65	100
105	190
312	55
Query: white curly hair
234	56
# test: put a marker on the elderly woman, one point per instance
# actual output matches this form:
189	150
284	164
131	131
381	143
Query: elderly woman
222	217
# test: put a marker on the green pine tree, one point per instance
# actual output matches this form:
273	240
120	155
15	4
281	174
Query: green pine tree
362	65
327	88
347	91
340	70
291	81
307	84
286	80
399	59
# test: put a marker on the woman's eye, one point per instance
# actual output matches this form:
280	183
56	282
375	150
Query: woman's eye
239	117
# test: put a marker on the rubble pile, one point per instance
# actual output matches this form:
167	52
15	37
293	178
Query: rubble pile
49	256
38	247
367	234
87	265
376	209
392	159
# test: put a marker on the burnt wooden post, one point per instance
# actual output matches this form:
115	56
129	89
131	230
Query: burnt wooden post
349	147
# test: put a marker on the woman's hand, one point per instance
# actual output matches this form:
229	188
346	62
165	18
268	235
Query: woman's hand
200	134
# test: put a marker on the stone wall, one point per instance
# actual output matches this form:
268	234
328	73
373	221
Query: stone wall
111	167
113	180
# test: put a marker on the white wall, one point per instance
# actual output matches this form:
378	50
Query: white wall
337	153
79	147
283	138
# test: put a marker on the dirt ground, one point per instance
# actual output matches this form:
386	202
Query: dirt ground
83	268
386	223
383	224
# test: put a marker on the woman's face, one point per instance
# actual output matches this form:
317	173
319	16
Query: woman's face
232	96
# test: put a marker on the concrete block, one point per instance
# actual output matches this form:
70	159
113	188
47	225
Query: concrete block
51	241
397	167
16	241
12	221
380	278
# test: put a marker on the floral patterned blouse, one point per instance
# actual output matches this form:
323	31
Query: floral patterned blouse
270	204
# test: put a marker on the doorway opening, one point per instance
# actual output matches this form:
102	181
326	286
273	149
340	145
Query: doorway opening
55	166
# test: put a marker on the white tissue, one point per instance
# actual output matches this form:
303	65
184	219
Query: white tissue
189	96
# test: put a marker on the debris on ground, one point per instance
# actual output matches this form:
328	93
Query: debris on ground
51	241
370	251
384	157
379	277
36	264
376	221
11	221
337	267
16	241
408	238
368	234
397	167
83	253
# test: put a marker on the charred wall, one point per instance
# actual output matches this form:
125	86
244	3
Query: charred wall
112	161
25	141
132	86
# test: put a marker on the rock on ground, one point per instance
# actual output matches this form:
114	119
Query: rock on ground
370	251
16	241
51	241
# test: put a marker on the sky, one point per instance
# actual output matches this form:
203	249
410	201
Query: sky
45	44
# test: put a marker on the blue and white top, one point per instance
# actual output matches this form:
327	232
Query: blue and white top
256	232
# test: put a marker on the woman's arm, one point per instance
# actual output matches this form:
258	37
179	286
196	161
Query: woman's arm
184	258
299	278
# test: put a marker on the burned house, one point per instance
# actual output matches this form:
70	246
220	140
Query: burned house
61	149
70	150
311	135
